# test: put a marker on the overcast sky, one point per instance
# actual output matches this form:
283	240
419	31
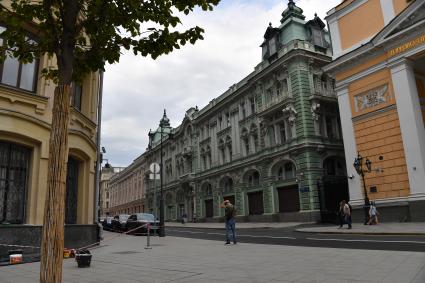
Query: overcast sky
138	89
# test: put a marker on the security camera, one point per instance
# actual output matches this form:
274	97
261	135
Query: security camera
103	149
351	177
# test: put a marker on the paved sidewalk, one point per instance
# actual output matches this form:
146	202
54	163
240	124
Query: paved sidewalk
180	260
410	228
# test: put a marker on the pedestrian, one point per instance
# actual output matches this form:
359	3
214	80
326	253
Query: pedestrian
373	214
184	218
229	215
347	213
341	214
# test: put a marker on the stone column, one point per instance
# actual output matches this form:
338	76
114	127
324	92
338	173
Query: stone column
350	146
411	123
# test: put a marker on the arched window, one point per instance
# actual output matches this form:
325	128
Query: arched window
254	179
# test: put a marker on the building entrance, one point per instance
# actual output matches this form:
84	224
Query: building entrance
209	208
255	203
289	199
335	189
14	167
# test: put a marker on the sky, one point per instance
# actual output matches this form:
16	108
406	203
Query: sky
138	89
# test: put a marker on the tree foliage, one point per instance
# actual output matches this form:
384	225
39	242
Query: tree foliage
84	34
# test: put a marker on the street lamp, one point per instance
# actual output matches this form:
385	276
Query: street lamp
358	165
164	123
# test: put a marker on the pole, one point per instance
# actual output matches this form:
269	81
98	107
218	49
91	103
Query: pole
366	199
161	205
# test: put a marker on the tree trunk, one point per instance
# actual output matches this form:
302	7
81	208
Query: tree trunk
52	243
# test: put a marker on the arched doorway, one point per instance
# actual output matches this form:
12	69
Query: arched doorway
208	200
287	188
334	188
255	196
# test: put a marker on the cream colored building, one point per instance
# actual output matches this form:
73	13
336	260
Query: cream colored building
127	189
26	101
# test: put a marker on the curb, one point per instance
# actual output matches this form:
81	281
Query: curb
363	233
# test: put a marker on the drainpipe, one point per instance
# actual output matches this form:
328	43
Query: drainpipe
98	155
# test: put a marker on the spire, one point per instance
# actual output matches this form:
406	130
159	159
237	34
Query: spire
292	11
165	122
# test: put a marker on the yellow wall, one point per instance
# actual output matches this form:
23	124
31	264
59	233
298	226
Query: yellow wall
25	118
378	136
400	5
363	22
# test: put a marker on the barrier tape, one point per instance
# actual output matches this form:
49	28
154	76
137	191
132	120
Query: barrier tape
85	247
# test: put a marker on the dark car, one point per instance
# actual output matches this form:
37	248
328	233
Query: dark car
107	223
142	220
119	222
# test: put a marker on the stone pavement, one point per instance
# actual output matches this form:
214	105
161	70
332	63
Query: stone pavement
180	260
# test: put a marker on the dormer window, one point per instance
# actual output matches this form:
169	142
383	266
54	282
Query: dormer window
318	38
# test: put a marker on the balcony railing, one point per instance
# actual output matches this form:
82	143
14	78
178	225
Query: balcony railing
324	89
274	100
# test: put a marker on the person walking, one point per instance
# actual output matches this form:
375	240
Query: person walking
347	213
341	214
373	214
229	215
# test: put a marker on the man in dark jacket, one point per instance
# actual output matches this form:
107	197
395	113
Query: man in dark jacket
229	216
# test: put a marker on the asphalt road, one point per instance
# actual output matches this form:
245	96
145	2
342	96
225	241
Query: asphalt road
287	236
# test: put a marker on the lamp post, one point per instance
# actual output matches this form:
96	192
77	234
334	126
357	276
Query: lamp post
358	165
164	123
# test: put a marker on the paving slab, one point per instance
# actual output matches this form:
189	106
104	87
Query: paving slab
124	259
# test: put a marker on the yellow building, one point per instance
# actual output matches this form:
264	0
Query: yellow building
379	67
26	101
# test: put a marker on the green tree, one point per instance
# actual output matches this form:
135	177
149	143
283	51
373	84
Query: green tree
83	35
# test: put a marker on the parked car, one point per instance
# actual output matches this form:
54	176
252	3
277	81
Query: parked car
107	223
142	220
119	222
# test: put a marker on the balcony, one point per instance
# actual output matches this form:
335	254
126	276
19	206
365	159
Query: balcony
324	89
274	101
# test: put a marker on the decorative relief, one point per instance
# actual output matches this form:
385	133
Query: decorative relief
315	111
372	98
291	112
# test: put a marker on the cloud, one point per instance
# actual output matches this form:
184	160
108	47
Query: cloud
138	89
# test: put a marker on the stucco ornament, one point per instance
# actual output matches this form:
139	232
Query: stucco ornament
315	111
291	112
372	98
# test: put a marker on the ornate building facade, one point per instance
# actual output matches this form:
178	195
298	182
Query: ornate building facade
126	189
272	144
380	82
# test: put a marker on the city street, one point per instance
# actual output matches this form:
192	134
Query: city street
288	236
184	258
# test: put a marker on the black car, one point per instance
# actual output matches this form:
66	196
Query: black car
107	223
142	220
119	222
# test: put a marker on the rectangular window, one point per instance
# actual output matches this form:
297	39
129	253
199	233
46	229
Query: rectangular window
252	103
76	96
330	128
17	74
282	132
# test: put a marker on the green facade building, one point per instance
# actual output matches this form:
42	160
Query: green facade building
272	144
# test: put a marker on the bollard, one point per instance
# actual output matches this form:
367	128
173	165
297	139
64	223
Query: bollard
148	237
